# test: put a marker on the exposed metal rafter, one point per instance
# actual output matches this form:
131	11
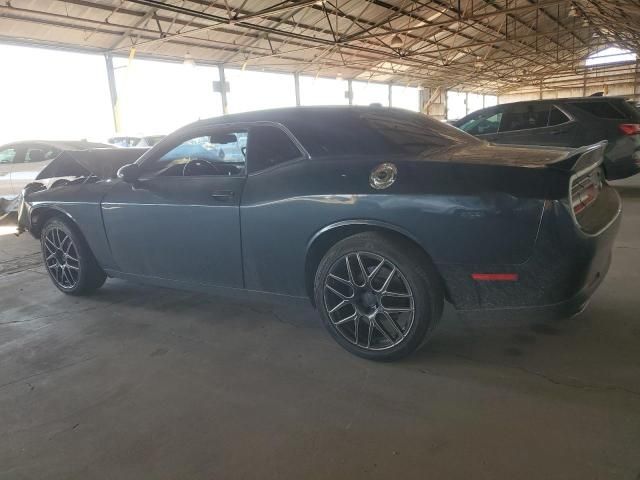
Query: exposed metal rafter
480	45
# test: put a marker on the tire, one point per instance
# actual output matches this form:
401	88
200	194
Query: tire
68	259
391	312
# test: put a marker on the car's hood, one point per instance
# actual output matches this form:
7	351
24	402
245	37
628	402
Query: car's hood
101	162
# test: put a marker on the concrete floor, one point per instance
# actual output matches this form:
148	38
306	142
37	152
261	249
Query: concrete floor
139	382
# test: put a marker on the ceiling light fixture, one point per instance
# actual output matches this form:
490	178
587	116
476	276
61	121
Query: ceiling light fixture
573	11
188	60
396	41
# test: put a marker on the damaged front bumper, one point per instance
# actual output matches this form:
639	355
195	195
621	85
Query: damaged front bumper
24	207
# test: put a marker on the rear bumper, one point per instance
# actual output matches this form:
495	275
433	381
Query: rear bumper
564	309
620	170
622	157
564	271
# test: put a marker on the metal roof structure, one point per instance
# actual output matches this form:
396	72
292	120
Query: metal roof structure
490	46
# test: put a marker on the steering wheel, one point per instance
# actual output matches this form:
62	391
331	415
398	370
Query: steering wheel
200	167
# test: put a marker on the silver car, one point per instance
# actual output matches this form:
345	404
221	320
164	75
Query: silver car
21	162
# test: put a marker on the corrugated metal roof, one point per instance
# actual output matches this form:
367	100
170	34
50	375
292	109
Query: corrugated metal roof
486	45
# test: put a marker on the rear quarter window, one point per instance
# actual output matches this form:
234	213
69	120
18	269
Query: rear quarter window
605	110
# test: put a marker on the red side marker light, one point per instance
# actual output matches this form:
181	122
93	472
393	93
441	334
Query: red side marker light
630	128
495	277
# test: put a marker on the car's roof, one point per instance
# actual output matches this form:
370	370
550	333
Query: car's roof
61	144
561	100
291	114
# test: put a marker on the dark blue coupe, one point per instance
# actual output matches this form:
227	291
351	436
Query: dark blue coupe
375	215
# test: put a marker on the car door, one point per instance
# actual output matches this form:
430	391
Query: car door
180	221
36	157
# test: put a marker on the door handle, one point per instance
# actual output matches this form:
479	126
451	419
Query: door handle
223	195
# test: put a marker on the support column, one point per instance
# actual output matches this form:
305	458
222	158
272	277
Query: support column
223	89
350	91
636	82
296	81
113	92
443	99
390	95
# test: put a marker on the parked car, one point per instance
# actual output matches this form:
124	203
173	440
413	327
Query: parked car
149	140
21	162
566	122
375	215
129	141
124	141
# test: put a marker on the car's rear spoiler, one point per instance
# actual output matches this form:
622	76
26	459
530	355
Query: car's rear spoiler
100	162
580	159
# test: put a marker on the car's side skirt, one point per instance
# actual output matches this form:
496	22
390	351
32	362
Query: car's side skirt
238	293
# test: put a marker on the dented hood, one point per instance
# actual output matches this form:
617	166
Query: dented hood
101	162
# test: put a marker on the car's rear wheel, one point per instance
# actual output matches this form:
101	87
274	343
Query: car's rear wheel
378	296
68	259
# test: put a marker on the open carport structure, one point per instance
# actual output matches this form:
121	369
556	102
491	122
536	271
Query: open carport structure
142	382
506	48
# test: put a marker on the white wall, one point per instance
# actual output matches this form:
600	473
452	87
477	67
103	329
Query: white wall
159	97
612	79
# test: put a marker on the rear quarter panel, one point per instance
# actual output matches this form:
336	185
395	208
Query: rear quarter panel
457	213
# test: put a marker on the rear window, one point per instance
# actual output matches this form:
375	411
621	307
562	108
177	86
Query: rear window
633	112
602	109
375	131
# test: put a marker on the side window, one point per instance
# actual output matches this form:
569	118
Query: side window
269	146
7	155
482	124
525	117
40	154
557	117
221	153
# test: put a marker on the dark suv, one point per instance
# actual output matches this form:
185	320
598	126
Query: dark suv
565	122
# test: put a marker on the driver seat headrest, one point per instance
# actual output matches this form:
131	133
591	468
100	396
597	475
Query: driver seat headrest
36	155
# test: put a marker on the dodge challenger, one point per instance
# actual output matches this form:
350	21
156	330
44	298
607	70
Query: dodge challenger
375	215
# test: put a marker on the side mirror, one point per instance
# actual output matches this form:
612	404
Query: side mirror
129	173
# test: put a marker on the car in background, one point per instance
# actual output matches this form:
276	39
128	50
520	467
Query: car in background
149	140
566	122
123	141
135	141
21	162
374	215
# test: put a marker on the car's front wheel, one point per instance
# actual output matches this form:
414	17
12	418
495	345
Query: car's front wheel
68	259
378	296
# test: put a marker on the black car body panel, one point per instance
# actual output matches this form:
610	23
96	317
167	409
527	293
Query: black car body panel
470	206
566	122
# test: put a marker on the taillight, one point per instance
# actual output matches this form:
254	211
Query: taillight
585	190
630	128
